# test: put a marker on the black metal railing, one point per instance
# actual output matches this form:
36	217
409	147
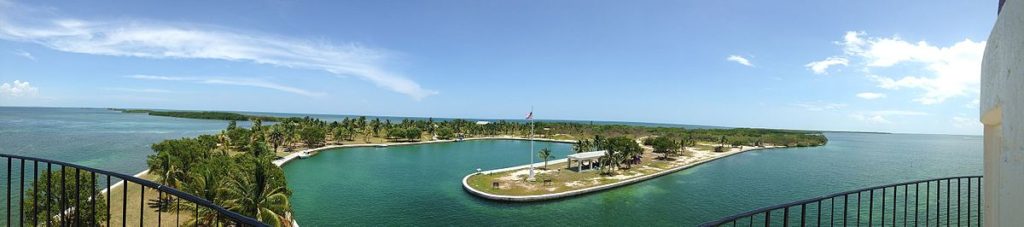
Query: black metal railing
940	202
41	192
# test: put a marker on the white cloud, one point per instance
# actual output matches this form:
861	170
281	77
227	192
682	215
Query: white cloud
950	71
820	106
146	39
18	89
25	54
247	82
882	116
870	95
739	59
821	67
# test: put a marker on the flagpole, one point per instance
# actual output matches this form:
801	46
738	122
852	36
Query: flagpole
531	144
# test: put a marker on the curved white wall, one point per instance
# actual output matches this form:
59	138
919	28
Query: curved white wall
1002	112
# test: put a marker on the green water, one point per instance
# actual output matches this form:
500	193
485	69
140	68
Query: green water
420	185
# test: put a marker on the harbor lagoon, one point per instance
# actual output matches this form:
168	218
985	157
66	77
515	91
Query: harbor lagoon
421	184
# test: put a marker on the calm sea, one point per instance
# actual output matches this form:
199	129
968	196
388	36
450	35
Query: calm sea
420	185
99	138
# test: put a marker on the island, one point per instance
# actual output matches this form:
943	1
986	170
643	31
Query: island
601	164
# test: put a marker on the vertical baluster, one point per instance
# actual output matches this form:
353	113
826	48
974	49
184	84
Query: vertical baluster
927	203
49	178
62	213
110	193
159	214
751	224
948	201
938	202
894	190
858	208
78	199
832	212
21	195
969	202
785	216
958	204
142	204
8	189
883	206
124	203
177	211
767	218
979	203
819	213
803	214
846	208
35	193
92	190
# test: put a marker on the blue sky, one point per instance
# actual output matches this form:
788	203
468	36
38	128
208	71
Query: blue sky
893	66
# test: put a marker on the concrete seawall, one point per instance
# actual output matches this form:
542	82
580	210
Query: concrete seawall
295	155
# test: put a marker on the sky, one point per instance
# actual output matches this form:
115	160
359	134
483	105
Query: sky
888	66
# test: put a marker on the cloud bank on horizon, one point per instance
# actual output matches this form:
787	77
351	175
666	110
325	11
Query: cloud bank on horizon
155	40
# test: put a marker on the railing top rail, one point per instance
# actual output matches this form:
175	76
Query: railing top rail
169	190
824	197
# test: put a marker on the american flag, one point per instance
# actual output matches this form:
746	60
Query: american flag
529	116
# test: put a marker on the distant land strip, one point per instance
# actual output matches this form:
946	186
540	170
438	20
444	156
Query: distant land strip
206	115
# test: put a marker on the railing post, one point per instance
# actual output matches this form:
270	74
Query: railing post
846	208
21	195
110	193
871	207
78	199
35	193
8	188
785	216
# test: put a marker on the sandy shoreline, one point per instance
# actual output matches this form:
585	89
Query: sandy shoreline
314	151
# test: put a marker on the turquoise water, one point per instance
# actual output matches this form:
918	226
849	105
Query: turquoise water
420	185
98	138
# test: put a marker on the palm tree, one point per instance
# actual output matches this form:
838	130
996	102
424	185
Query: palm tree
375	124
167	173
544	154
276	137
255	196
207	183
581	146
